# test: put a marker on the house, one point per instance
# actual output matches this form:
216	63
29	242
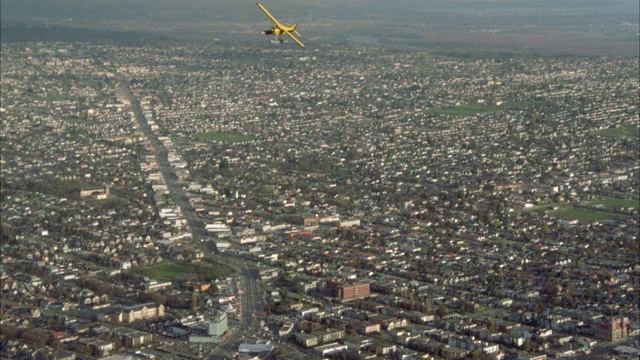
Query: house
365	327
393	323
357	342
452	352
80	328
269	273
384	348
286	329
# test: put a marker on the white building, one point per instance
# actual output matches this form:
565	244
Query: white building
218	326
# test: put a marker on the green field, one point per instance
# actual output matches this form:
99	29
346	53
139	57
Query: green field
621	131
581	215
466	110
223	136
616	202
181	270
52	98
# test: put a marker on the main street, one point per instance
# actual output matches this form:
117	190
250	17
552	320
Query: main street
251	298
196	225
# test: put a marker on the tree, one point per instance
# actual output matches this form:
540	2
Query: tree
6	234
213	290
269	308
36	337
426	307
197	301
530	346
9	332
152	296
442	310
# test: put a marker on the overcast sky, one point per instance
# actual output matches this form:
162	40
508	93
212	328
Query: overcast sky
410	12
604	26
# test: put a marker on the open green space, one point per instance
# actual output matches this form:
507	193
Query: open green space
223	136
581	215
611	202
49	186
182	270
111	202
620	131
465	110
51	98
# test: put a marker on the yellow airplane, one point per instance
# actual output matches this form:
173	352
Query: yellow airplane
279	29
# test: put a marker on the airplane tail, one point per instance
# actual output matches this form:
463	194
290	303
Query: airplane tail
293	28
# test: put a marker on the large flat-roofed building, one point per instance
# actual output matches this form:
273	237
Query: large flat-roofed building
261	346
131	338
348	291
154	285
330	348
304	220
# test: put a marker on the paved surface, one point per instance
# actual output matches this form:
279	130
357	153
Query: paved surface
252	299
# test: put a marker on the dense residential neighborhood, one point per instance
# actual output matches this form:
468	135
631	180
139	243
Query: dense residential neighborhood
191	201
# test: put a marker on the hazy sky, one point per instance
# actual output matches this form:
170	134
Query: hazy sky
391	21
454	12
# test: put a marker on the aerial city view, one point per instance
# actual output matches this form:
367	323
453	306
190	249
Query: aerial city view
355	179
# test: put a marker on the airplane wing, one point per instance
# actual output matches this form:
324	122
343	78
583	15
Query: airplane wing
271	16
294	30
293	37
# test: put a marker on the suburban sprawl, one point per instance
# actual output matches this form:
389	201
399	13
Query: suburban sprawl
198	201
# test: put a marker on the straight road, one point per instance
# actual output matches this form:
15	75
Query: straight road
196	225
252	299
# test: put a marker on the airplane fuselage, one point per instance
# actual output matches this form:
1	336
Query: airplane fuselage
278	31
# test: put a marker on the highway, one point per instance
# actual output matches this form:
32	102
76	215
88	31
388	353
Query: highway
252	299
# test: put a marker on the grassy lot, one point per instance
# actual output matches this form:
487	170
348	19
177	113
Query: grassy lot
112	202
179	270
621	131
223	136
465	110
581	215
616	202
51	98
